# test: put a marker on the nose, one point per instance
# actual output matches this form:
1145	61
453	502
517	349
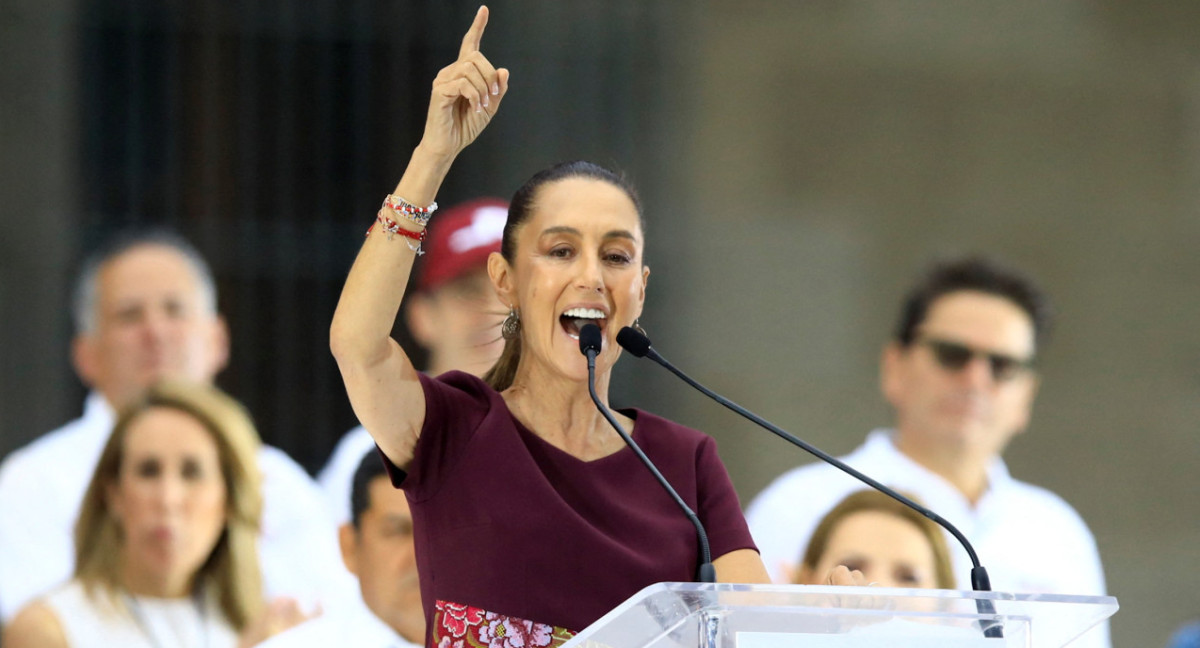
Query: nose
590	276
171	493
155	324
978	372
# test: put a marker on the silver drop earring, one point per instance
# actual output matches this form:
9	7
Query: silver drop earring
511	328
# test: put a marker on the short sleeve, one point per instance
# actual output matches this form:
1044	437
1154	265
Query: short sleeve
456	404
717	504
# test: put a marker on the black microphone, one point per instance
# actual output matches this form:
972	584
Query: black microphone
589	345
639	345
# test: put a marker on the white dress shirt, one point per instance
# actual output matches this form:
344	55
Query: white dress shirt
1029	539
351	627
337	477
42	487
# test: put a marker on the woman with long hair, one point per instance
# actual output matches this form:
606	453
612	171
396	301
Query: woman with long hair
166	537
889	543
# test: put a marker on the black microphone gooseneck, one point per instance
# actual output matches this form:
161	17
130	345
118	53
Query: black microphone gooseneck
590	344
639	345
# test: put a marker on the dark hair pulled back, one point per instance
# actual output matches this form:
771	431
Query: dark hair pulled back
501	375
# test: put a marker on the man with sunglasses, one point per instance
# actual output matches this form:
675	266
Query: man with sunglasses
960	376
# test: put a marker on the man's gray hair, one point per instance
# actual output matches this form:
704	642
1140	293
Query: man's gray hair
87	287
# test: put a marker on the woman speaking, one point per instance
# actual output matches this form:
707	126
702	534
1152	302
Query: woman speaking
531	516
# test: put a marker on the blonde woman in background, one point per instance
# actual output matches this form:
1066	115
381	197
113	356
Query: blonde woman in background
166	538
891	544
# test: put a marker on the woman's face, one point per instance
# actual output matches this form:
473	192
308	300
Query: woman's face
887	549
169	496
578	260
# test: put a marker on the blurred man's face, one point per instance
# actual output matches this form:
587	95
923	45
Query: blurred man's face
963	384
380	553
459	322
151	322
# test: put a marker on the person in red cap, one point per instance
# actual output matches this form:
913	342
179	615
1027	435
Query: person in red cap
455	315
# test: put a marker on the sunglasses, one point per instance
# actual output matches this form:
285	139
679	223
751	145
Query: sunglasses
953	356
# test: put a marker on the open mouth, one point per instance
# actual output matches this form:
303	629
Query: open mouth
576	318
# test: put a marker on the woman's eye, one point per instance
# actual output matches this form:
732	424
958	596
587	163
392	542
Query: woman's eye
561	252
618	258
148	468
192	470
906	576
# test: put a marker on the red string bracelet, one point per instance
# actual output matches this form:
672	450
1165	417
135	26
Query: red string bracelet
392	227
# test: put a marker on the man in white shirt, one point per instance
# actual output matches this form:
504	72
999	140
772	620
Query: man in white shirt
146	308
454	314
377	546
960	377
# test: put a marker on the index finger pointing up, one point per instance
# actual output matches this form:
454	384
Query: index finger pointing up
474	35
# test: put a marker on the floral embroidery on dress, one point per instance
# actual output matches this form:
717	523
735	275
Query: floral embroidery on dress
462	626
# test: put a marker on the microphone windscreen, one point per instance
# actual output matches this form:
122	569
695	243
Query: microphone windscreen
633	342
589	339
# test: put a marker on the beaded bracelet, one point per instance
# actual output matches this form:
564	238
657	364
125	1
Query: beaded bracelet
420	221
392	228
418	215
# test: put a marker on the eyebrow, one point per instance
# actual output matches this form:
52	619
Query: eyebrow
563	229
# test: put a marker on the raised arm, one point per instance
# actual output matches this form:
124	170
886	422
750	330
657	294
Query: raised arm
380	379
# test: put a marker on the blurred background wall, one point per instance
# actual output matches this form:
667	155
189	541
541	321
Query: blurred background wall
800	163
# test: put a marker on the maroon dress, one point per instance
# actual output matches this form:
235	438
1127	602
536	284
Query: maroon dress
518	543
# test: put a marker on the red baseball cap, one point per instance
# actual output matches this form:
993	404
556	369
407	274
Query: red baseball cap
460	240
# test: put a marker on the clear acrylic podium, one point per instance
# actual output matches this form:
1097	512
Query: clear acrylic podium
724	615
